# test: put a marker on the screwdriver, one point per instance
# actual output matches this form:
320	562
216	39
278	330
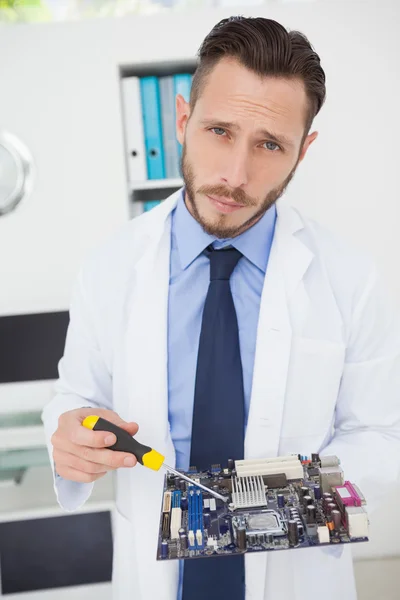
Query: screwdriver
145	455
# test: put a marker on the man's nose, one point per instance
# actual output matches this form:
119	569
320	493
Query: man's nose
235	172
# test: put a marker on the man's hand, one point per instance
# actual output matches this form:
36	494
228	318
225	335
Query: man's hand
81	454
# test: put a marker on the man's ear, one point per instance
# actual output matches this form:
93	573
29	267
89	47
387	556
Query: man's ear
307	143
182	117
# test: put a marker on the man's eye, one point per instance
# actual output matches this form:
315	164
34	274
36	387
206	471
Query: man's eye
216	129
273	144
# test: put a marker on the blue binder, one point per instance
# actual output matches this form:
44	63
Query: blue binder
151	111
149	204
168	119
182	85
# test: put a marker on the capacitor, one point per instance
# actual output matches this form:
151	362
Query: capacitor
215	488
231	463
315	458
304	491
307	500
326	495
317	492
184	541
326	501
337	518
329	523
207	520
181	531
300	528
182	485
311	513
281	500
184	503
164	549
293	533
241	537
330	507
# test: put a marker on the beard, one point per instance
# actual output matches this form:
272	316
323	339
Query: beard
219	227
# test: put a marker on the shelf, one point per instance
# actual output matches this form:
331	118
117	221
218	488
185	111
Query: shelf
153	189
158	68
34	497
155	184
16	438
20	419
20	460
25	397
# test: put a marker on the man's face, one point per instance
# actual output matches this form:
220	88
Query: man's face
233	167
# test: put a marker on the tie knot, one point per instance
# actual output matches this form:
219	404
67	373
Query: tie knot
222	262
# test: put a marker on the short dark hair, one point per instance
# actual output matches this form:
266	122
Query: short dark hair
267	48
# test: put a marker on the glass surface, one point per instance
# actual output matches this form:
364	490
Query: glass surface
13	463
23	419
23	459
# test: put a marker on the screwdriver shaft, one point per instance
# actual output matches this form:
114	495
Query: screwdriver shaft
203	487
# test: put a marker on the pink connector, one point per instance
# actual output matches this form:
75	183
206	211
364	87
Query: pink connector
347	495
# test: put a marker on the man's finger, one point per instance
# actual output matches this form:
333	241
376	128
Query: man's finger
69	460
75	475
111	459
114	418
82	436
130	427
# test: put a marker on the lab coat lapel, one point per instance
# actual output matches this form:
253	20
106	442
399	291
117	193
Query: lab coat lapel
146	335
283	300
147	376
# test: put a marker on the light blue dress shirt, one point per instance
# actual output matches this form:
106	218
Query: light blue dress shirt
188	286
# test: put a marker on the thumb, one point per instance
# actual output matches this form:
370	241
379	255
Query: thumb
129	426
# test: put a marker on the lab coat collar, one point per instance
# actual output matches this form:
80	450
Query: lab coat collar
154	221
191	239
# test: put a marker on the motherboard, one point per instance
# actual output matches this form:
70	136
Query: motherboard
277	503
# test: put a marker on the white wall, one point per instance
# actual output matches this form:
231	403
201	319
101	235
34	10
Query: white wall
59	92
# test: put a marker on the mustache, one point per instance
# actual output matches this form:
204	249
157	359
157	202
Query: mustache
238	196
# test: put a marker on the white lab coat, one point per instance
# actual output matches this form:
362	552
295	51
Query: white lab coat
327	353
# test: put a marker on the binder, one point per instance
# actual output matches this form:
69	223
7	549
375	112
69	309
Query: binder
151	111
182	85
168	119
149	204
134	134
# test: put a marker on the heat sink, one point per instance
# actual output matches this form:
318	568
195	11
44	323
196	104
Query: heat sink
248	492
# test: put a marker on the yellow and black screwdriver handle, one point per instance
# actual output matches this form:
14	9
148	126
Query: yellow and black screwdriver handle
126	443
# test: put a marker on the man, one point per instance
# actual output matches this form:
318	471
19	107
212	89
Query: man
282	342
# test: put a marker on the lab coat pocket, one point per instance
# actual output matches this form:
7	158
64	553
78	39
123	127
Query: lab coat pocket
313	382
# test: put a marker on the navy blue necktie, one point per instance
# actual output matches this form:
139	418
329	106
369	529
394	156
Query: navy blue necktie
218	418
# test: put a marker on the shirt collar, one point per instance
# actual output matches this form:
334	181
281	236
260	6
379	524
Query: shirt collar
191	239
